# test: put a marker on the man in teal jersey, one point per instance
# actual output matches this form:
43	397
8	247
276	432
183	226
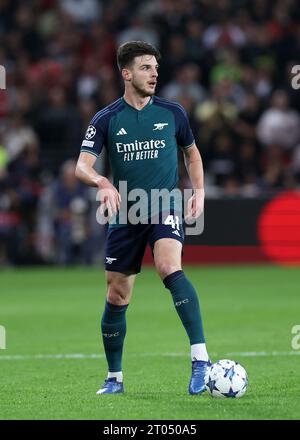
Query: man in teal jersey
142	134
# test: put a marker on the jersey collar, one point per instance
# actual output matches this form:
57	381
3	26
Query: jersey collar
149	103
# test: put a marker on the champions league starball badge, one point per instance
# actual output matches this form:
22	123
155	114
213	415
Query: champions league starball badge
90	132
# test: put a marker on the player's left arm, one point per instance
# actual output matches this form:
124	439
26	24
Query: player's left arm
194	167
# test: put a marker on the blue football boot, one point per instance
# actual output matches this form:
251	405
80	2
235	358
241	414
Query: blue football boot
197	383
111	386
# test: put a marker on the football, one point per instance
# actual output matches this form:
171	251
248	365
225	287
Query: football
226	378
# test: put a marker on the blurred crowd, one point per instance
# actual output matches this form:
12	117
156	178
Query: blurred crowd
228	62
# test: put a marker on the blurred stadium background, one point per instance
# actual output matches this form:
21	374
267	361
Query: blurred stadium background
228	62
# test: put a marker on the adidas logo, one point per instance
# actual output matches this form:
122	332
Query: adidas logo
122	131
176	233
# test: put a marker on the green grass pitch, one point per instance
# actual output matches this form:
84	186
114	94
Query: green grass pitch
54	362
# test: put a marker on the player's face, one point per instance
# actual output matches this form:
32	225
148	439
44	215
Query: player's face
144	73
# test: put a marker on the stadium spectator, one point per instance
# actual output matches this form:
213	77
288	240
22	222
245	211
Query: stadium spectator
279	124
17	136
64	233
186	83
223	34
82	11
138	30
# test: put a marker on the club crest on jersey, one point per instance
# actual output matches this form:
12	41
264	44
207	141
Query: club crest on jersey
90	132
160	126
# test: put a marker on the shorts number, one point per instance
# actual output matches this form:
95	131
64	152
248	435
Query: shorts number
172	221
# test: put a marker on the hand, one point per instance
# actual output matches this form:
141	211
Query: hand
110	198
195	205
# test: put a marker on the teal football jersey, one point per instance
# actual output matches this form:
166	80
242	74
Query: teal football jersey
142	145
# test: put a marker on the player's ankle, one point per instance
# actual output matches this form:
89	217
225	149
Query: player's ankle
199	352
118	375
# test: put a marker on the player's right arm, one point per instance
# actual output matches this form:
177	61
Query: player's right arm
85	172
92	144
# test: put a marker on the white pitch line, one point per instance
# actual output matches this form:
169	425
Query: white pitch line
18	357
264	353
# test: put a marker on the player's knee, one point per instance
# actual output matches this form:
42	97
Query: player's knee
164	269
117	294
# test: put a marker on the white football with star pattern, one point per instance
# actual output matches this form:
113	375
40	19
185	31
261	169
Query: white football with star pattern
226	378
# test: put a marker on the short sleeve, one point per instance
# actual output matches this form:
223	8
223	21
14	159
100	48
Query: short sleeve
96	135
184	134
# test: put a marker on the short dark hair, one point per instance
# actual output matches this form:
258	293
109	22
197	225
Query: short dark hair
128	51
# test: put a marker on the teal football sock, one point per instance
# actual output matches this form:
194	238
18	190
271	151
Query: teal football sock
187	305
113	326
